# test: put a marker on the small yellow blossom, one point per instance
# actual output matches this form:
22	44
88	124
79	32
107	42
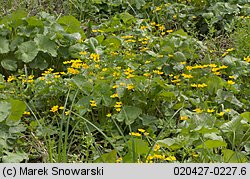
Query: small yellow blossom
114	95
183	118
54	108
230	82
135	134
67	113
93	103
170	31
141	130
109	115
221	113
115	86
198	110
11	78
210	110
156	147
26	113
130	86
170	158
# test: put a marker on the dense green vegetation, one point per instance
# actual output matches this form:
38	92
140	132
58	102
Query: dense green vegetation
125	81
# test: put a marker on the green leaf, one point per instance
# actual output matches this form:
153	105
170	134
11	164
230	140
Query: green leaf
230	156
214	83
8	64
83	85
210	144
46	45
17	129
129	114
14	157
246	115
125	16
27	51
107	157
71	25
179	57
16	112
139	146
33	21
4	110
166	142
15	42
4	45
112	42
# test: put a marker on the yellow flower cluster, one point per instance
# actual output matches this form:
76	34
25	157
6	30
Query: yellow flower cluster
56	108
159	157
139	133
95	57
203	85
129	72
118	106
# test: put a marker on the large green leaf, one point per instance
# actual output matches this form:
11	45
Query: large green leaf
246	115
210	144
71	24
112	42
46	45
139	146
82	84
14	157
4	45
233	157
8	64
129	114
214	83
179	57
107	157
125	16
33	21
4	110
16	112
27	51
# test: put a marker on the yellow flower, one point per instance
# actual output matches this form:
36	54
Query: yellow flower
198	110
11	78
183	63
210	110
127	37
230	82
115	86
221	113
156	147
108	115
153	23
72	71
247	59
170	158
183	118
186	76
119	160
189	68
26	113
147	74
170	31
135	134
232	77
114	95
67	113
141	130
123	84
118	109
227	110
95	57
61	107
174	16
54	108
83	53
130	86
93	103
